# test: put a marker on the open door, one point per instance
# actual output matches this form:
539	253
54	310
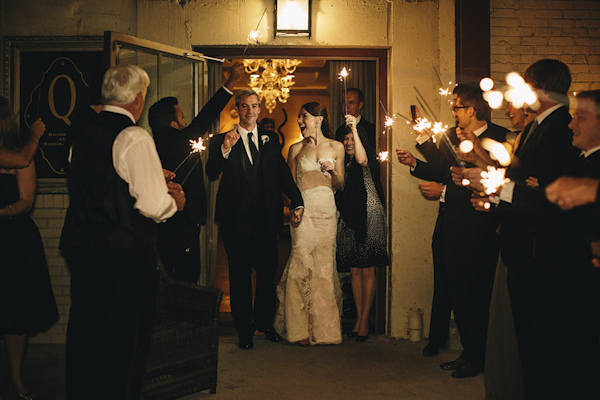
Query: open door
191	77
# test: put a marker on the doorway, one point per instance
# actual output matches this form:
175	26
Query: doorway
313	82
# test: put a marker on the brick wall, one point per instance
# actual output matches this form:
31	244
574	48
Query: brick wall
49	213
524	31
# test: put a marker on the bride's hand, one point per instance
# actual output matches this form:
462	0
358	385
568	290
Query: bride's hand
327	166
296	217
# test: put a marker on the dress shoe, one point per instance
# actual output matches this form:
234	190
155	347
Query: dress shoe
361	339
456	364
467	370
271	334
432	349
246	343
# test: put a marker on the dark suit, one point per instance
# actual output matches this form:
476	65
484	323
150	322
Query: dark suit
366	125
178	238
465	252
569	303
250	214
545	154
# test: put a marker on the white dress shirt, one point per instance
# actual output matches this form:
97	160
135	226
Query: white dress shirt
136	161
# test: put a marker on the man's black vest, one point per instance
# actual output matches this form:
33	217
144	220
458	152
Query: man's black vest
101	213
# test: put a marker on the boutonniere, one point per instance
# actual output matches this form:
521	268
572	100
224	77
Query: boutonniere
265	139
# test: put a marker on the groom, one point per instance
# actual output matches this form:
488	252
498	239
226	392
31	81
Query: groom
250	214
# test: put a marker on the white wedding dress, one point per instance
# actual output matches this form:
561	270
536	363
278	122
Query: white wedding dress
309	293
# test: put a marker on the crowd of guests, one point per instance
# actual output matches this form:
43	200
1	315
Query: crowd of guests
516	267
539	335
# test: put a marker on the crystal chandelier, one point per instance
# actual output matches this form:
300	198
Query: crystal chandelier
274	81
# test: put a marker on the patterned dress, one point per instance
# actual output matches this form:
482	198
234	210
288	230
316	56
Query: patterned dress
373	251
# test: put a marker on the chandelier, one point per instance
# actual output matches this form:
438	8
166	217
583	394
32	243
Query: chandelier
274	81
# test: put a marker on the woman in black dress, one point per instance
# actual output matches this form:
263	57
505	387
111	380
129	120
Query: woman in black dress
361	237
27	303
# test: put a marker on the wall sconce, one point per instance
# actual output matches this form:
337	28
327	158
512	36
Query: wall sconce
293	17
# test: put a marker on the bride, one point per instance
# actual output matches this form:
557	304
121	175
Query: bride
309	291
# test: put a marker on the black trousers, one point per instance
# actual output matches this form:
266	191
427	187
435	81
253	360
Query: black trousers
249	249
179	247
113	306
441	307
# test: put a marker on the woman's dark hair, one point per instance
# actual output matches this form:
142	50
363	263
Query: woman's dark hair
361	133
318	110
9	130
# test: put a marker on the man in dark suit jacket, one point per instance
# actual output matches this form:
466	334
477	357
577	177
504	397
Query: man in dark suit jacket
544	152
465	246
353	106
250	214
178	239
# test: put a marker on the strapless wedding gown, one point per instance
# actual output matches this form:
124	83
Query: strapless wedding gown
309	292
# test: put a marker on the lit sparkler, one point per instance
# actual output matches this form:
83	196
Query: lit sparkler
493	179
197	146
254	35
384	156
342	77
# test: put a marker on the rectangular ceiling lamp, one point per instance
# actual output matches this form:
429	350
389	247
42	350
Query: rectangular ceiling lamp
292	17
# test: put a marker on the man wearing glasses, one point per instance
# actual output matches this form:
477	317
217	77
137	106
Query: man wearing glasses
465	245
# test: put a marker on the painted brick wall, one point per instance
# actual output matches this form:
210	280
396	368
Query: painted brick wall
524	31
49	214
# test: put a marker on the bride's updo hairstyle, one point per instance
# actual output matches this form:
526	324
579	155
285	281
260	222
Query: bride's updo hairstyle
318	110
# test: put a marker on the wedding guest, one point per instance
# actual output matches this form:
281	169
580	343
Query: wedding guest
353	102
23	156
118	195
27	303
179	237
362	232
309	292
466	268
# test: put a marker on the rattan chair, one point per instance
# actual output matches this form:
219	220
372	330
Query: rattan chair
184	343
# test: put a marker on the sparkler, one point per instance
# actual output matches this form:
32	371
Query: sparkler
384	156
254	35
493	179
197	146
342	77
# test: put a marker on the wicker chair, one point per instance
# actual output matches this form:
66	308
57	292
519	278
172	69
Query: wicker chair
184	343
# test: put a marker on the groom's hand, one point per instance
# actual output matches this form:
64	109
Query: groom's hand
297	217
230	140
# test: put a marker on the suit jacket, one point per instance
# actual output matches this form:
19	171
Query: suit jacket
271	176
546	153
173	147
459	219
366	125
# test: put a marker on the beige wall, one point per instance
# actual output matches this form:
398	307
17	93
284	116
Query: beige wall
420	35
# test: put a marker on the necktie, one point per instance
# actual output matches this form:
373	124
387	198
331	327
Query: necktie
253	149
533	127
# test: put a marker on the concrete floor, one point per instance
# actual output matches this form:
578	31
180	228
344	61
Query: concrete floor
380	368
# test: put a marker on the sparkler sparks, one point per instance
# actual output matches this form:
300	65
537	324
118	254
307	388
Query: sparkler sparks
493	179
342	77
389	122
384	156
197	145
253	37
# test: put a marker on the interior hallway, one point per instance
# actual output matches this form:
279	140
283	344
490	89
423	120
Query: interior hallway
380	368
